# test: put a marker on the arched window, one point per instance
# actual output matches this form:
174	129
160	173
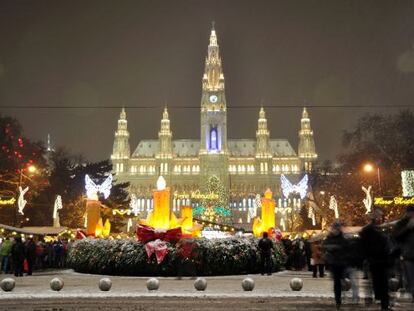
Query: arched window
213	139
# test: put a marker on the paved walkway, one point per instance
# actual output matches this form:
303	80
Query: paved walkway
223	293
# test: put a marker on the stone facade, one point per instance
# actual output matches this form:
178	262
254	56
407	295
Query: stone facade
245	166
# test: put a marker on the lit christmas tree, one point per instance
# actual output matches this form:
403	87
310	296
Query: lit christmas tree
215	208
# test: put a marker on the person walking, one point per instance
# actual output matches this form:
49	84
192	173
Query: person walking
404	235
317	260
17	252
5	252
30	255
265	246
375	245
336	248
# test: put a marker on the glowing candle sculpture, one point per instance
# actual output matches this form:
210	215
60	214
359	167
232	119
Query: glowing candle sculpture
187	216
267	221
161	214
268	211
106	230
93	206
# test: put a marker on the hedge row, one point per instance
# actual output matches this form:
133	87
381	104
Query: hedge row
187	257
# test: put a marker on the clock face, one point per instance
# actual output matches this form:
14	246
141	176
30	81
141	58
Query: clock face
213	99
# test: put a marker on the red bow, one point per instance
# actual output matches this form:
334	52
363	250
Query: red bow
159	248
146	234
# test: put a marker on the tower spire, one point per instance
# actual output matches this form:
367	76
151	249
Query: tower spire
121	148
165	135
306	149
262	136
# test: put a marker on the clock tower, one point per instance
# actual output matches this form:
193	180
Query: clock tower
213	141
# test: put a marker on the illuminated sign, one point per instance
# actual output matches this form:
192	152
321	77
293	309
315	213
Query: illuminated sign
196	195
7	202
394	201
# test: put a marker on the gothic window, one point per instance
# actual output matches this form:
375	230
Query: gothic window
213	139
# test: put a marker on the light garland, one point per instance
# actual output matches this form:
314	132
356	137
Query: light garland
92	189
121	212
7	202
333	205
21	202
368	199
407	181
288	188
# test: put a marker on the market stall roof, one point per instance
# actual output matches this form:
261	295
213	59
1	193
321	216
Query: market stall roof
35	230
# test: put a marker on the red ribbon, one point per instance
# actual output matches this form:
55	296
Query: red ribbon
146	234
80	234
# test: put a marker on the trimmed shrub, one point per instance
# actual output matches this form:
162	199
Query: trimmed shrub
199	256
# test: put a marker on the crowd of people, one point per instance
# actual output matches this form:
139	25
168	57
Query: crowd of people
19	257
380	252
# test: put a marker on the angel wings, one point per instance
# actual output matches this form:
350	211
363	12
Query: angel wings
301	187
92	189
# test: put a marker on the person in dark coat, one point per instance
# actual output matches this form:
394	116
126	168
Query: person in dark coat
318	261
336	248
30	255
265	246
376	248
404	235
18	252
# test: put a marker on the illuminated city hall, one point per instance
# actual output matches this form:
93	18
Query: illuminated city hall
246	167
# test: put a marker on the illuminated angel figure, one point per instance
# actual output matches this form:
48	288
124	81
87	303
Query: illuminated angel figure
21	202
58	205
301	187
92	189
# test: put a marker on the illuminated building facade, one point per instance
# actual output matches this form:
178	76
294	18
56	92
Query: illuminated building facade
245	166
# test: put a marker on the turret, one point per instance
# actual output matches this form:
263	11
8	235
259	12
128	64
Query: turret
306	149
262	137
121	150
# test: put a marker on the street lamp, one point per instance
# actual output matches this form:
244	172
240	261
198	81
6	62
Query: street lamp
369	168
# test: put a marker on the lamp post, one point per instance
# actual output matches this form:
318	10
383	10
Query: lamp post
369	168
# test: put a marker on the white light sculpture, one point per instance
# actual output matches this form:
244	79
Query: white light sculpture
129	224
92	189
134	205
407	181
368	199
161	183
282	223
301	187
21	202
333	205
58	205
311	215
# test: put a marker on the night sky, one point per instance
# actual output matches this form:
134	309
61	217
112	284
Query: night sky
148	53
